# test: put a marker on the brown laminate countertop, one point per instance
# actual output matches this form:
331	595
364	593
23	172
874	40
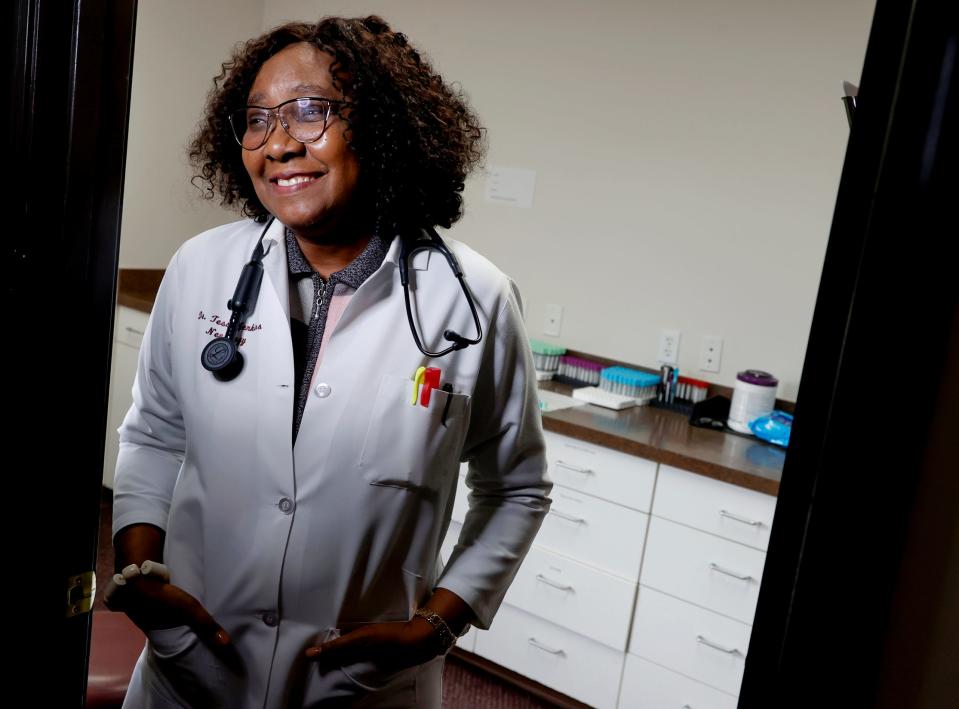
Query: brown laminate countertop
137	287
655	434
666	437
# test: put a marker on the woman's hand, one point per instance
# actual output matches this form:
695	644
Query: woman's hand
154	604
393	646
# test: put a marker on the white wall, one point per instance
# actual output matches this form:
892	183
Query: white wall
687	158
178	49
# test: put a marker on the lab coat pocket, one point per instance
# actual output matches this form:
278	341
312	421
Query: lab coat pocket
185	668
368	675
413	446
371	675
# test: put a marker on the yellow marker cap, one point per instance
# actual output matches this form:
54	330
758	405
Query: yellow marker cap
417	380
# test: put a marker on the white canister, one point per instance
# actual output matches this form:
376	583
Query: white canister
753	396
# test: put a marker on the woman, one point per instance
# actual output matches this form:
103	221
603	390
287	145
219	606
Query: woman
290	575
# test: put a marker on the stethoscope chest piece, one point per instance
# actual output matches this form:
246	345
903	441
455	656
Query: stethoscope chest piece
222	357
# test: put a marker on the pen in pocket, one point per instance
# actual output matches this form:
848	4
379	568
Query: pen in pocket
448	388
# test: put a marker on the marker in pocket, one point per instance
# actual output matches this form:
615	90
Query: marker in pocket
431	381
417	380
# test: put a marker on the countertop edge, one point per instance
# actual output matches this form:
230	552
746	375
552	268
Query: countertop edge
659	455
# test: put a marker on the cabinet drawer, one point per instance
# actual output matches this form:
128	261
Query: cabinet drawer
130	326
599	533
703	569
575	596
605	473
649	686
692	641
727	510
566	661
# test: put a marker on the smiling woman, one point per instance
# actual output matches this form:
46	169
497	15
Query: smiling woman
417	140
299	504
308	182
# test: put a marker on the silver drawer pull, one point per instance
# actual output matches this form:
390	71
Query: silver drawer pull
720	569
727	650
535	643
686	706
584	471
751	523
563	515
552	583
134	331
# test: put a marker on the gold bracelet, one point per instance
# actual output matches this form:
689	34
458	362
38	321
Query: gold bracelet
446	636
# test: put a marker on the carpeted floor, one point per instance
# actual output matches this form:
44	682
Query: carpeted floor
464	686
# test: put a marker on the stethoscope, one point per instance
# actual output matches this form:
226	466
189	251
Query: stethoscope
222	357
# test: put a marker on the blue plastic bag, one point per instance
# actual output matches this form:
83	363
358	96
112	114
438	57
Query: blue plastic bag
773	427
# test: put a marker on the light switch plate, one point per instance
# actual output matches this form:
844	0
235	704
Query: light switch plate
668	352
711	354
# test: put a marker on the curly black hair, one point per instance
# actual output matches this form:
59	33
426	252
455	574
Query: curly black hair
415	136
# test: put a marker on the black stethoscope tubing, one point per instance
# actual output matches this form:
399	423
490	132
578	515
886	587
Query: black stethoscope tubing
222	357
433	241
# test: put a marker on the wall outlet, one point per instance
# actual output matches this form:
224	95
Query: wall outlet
668	348
554	320
711	353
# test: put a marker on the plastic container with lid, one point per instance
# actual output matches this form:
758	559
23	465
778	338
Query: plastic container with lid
753	396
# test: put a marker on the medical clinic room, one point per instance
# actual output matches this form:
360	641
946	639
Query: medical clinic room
643	451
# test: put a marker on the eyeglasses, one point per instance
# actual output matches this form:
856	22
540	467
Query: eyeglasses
305	119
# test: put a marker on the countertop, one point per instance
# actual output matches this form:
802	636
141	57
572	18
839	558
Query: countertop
656	434
666	437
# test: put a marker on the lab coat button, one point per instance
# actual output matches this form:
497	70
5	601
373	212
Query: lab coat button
323	390
270	619
286	505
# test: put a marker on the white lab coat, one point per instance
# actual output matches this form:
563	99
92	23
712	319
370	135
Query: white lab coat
281	542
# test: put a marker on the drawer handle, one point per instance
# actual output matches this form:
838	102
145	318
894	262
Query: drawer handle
751	523
720	569
133	330
584	471
535	643
550	582
563	515
727	650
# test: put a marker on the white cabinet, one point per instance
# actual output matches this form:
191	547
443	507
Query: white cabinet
601	472
565	619
693	641
647	685
703	569
600	533
128	330
726	510
559	658
574	595
699	584
660	562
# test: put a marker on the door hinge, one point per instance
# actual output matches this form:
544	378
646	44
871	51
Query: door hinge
80	592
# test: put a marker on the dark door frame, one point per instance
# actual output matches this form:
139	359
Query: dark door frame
845	615
68	87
